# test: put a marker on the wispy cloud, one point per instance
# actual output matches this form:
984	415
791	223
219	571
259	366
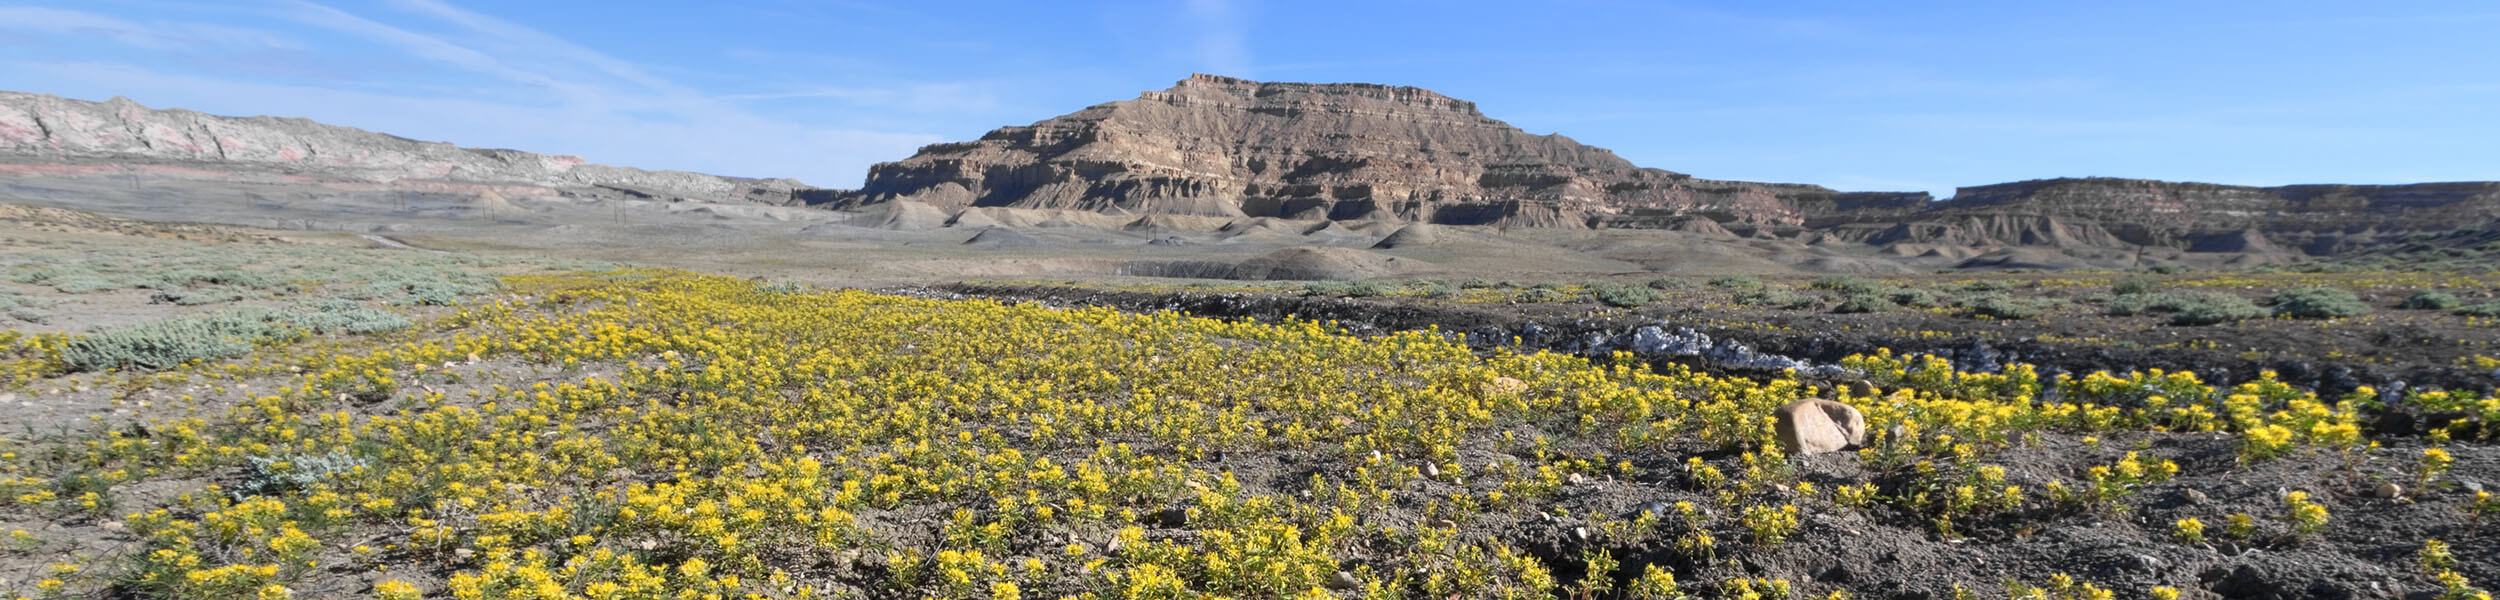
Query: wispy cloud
1223	37
154	35
917	97
509	85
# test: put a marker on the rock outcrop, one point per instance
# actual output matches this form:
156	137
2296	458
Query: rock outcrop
2197	217
1815	426
37	128
1226	147
1293	162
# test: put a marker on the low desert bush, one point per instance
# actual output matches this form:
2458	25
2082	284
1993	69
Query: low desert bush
1736	282
333	315
2319	303
1865	303
2430	300
1915	298
1847	285
164	344
1432	288
223	334
2000	306
2135	285
1540	295
195	297
1621	296
2486	309
1780	297
2206	308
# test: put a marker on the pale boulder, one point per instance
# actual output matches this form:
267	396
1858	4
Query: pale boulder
1504	386
1815	425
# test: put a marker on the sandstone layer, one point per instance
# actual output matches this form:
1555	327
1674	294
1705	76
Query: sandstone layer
46	130
1221	146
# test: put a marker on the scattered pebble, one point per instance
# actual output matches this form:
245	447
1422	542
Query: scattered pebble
2390	490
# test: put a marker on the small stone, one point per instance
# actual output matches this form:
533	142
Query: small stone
1576	479
1444	524
2472	487
1169	517
1861	389
2194	496
1580	533
1897	433
2148	562
846	557
1432	471
1504	386
463	552
1657	508
1815	426
2390	490
1343	581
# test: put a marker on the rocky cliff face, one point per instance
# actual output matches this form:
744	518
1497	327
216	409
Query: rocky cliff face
1220	146
37	128
2318	219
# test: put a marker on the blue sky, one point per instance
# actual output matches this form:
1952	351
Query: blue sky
1853	95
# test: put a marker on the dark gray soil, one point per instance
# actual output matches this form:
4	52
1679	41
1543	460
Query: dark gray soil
2367	550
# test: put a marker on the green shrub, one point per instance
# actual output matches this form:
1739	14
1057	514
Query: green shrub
29	314
2430	300
171	342
2136	304
192	297
1914	298
2319	303
1865	303
1847	285
275	475
1541	295
2208	308
1736	282
1478	283
1433	288
343	316
2000	306
1987	285
1779	297
84	284
1668	283
1621	296
1369	287
223	334
8	301
2169	269
2486	309
2135	285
